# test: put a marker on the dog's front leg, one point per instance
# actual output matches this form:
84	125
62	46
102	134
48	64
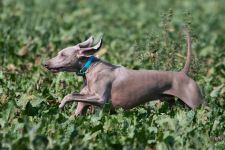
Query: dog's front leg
82	106
91	99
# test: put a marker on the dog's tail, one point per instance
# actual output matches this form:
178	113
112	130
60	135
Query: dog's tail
188	47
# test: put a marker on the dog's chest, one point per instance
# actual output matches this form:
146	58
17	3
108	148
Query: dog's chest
91	86
97	82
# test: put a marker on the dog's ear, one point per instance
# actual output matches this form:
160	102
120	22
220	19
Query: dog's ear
90	50
86	43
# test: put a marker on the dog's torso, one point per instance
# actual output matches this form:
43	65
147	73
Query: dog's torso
127	88
144	85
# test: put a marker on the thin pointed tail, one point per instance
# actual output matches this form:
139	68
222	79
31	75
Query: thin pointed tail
188	59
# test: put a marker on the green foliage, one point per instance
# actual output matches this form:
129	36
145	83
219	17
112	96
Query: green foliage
137	34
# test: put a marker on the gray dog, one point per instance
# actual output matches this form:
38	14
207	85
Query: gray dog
123	87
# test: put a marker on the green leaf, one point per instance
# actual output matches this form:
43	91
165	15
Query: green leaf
216	91
30	110
36	101
22	101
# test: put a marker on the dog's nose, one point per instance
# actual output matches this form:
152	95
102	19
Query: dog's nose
45	65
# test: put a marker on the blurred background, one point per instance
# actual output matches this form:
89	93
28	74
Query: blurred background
139	34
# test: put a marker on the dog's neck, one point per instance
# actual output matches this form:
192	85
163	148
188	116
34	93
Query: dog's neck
97	67
85	65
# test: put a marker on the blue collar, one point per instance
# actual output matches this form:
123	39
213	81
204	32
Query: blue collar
87	64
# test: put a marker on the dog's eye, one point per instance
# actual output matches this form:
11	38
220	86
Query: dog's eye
62	55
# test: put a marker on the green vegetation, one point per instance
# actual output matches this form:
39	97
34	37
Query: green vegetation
137	34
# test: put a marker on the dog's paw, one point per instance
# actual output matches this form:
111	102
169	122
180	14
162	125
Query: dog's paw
61	105
91	109
65	100
77	113
74	114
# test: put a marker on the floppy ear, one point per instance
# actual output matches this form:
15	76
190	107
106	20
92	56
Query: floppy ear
91	50
86	43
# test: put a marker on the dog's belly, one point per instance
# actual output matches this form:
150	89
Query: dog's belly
131	101
135	89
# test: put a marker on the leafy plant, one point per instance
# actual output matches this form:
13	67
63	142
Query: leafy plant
137	34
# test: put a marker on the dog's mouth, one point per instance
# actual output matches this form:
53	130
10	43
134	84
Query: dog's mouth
55	70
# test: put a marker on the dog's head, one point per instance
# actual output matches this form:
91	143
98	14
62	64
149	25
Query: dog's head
70	59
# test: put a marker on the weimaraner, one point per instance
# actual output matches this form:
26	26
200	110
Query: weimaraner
120	86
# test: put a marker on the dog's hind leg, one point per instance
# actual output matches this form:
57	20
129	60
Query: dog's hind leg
190	93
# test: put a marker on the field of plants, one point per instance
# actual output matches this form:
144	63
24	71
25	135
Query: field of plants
138	34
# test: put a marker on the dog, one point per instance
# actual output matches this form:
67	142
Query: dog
118	85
